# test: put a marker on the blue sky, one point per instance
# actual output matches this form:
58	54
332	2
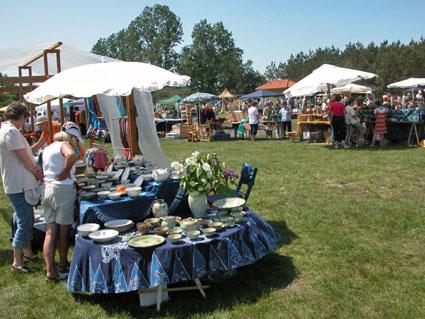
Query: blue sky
266	30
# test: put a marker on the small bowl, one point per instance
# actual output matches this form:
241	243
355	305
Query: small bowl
103	194
204	222
175	230
133	191
210	231
216	225
85	229
143	227
175	238
161	230
87	195
193	234
114	195
153	221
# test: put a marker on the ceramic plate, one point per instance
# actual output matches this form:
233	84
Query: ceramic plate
104	235
110	168
118	223
146	241
125	175
118	173
229	203
138	181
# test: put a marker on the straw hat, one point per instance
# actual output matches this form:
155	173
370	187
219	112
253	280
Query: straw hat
41	119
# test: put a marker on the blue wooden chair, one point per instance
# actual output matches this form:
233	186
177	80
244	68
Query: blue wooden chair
246	179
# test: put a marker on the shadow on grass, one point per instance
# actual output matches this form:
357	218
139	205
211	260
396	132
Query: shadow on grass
6	256
281	227
249	285
391	147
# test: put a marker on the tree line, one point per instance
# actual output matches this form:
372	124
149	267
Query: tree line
214	62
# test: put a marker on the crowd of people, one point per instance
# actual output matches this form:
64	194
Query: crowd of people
48	180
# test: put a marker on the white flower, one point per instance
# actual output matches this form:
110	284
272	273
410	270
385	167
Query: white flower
208	185
195	154
200	189
209	174
190	161
180	168
203	180
175	165
193	183
206	167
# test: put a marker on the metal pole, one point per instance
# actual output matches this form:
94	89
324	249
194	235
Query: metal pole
58	68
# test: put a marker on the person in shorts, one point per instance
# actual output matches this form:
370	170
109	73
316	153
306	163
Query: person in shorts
59	199
253	118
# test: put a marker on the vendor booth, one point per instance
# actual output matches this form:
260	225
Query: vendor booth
139	192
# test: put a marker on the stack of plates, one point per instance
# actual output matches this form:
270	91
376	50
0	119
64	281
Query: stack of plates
104	235
120	225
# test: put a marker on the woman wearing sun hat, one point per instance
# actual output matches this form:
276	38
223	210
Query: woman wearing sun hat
59	161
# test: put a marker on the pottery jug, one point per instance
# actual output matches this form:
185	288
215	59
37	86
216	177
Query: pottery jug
160	208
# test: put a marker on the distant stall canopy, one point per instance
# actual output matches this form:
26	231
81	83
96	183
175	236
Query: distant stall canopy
408	83
351	88
324	77
171	100
259	94
225	94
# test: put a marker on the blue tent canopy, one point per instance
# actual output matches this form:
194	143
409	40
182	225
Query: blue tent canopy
259	94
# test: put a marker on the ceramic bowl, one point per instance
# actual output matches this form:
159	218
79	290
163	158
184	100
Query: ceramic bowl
114	195
121	225
175	230
104	235
216	225
193	234
210	231
175	238
162	230
153	221
103	194
143	227
133	191
169	221
85	229
204	222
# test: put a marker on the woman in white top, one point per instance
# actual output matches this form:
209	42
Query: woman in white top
19	173
59	198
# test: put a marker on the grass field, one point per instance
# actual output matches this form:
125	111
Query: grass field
353	226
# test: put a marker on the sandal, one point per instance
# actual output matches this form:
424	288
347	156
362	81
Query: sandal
59	277
63	269
22	269
33	258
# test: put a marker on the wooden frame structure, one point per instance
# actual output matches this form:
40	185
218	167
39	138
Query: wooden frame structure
31	80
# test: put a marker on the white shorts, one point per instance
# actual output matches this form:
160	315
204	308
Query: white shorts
58	204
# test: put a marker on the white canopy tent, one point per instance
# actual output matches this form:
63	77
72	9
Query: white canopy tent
351	88
108	80
11	58
408	83
325	76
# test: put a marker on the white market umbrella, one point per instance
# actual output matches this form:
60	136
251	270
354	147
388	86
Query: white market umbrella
327	74
408	83
351	88
111	79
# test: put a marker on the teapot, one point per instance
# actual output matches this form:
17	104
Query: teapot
160	208
160	174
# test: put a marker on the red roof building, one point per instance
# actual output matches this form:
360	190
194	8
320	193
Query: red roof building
277	86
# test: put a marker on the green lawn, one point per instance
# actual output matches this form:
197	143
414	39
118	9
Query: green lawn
354	235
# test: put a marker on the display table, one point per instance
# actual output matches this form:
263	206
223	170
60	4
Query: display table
117	268
317	124
137	208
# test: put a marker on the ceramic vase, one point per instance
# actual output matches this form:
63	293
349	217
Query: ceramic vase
198	204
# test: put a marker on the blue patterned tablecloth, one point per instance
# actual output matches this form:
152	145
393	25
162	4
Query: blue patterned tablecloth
117	268
138	208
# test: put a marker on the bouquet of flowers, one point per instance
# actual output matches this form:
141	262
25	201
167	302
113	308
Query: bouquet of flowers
204	173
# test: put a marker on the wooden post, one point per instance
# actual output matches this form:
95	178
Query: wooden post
132	129
49	109
58	70
31	105
86	117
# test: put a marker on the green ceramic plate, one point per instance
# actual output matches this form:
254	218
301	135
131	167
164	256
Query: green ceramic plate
229	203
146	241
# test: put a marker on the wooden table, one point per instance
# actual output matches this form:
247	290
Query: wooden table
316	122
